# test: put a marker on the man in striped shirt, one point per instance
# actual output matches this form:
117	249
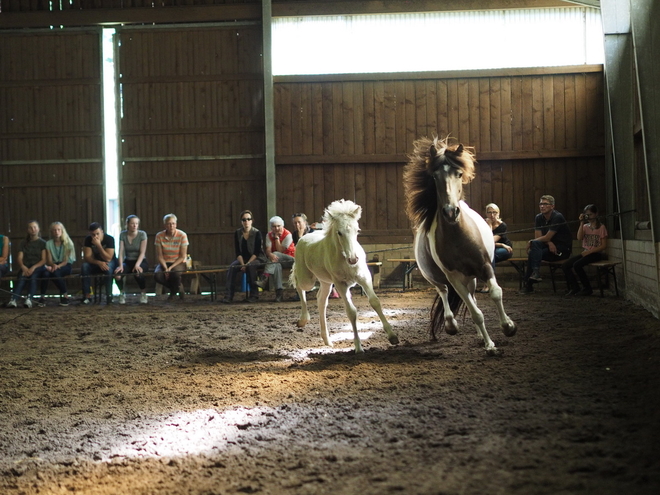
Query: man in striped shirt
171	252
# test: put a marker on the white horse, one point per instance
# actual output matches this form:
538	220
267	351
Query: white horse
334	256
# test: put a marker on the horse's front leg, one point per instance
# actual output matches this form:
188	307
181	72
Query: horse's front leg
509	328
304	311
476	314
451	325
322	302
375	303
351	312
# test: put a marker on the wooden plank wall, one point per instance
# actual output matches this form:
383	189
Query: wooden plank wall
193	132
50	132
534	133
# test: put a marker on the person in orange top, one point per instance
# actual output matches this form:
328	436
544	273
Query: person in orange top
171	252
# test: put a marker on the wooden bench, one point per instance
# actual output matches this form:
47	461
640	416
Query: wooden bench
520	264
604	269
409	264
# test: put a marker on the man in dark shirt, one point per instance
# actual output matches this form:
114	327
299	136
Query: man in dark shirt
99	260
552	241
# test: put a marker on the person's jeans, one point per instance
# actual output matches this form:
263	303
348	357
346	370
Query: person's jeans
89	270
32	279
171	281
128	270
538	252
575	265
4	270
56	277
501	254
235	269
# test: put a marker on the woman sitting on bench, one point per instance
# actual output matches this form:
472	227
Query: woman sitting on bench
593	235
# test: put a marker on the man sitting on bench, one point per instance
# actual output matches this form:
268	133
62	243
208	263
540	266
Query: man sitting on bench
552	241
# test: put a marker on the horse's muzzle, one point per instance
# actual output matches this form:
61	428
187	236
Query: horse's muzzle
451	213
352	260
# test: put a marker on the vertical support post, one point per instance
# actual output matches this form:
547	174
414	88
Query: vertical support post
269	119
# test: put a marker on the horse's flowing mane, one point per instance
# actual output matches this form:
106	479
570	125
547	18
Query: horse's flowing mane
340	208
418	181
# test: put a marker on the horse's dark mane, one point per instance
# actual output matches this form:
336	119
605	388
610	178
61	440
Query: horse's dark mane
418	175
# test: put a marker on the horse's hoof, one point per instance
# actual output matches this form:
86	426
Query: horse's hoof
509	330
451	330
394	340
493	351
301	323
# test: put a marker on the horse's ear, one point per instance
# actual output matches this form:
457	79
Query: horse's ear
459	150
357	212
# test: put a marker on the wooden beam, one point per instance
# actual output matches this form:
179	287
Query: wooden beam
401	158
448	74
111	17
288	9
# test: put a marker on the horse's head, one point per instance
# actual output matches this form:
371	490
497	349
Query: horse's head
434	179
450	171
341	220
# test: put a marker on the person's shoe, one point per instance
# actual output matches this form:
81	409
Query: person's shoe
526	290
86	301
108	300
122	299
41	302
262	282
535	276
144	298
279	295
64	301
295	297
12	304
253	299
572	292
585	292
334	294
27	303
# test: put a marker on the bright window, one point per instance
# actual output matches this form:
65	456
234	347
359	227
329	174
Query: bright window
437	41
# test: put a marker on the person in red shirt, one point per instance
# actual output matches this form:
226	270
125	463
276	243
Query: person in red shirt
280	249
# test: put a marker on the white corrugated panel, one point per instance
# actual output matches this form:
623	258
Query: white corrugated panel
437	41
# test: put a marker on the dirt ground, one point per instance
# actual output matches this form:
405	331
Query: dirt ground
196	397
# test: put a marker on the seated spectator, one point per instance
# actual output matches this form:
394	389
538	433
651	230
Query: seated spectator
248	246
61	254
4	255
593	236
279	249
133	251
99	260
31	259
171	251
503	246
552	241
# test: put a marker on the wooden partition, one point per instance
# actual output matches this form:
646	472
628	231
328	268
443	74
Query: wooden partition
535	131
50	131
192	132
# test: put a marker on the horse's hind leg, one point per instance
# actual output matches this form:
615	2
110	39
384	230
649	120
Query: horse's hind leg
375	303
507	325
351	312
322	303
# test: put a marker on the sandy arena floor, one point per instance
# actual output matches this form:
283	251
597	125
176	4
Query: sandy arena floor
197	397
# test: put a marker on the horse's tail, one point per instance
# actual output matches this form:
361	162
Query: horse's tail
438	310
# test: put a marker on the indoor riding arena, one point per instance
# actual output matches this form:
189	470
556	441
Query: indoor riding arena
230	114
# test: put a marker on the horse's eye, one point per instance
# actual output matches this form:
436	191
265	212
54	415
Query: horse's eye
340	233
